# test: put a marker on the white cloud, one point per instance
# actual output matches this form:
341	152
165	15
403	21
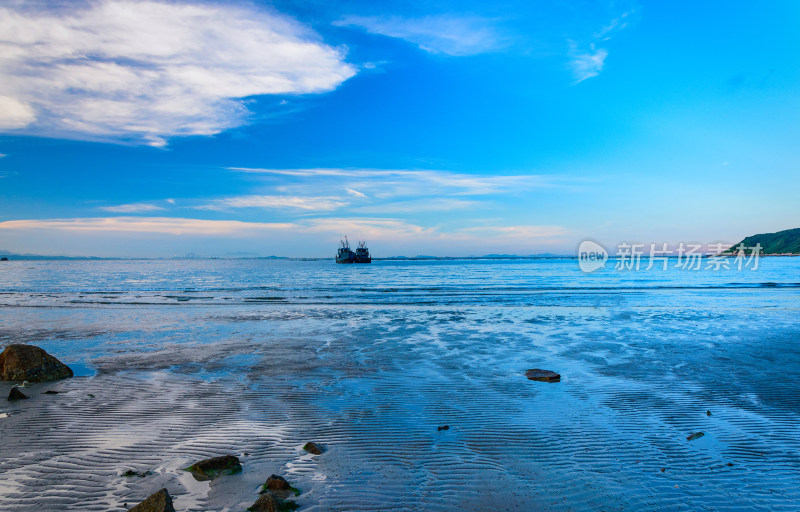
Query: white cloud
587	63
440	204
153	225
447	34
292	202
14	114
524	232
373	229
355	193
131	208
384	183
148	70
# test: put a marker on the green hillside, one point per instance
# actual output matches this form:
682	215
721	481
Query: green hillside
782	242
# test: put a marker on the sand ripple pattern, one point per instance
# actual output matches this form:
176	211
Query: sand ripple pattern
160	387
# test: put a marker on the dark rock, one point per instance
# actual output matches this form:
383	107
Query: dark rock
313	448
159	501
52	392
696	435
276	483
16	394
3	259
543	375
26	362
708	413
268	502
208	469
443	427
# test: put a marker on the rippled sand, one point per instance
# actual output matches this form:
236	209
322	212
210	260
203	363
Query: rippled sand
639	370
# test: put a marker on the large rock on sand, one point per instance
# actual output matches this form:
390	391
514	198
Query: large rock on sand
26	362
207	469
159	501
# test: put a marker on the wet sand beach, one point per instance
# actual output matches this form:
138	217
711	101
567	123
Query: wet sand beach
166	376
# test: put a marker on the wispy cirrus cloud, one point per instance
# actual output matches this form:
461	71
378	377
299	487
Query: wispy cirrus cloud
131	208
375	229
149	70
305	203
151	225
447	34
523	232
587	59
355	193
587	63
436	204
383	183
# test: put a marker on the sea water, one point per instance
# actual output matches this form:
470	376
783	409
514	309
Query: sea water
178	360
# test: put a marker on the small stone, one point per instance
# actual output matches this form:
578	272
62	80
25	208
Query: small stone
313	448
16	394
696	435
52	392
26	362
208	469
443	427
268	502
542	375
159	501
708	413
276	483
663	469
140	474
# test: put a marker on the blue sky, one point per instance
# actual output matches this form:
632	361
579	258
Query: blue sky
449	128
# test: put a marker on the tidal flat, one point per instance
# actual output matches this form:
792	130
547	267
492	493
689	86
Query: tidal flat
177	361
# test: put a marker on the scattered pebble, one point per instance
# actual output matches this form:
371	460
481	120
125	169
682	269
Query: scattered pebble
208	469
276	483
443	427
140	474
696	435
268	502
543	375
708	413
16	394
313	448
159	501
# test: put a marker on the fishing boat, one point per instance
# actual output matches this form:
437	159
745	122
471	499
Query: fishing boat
346	255
362	253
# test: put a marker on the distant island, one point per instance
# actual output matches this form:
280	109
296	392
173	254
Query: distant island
785	242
